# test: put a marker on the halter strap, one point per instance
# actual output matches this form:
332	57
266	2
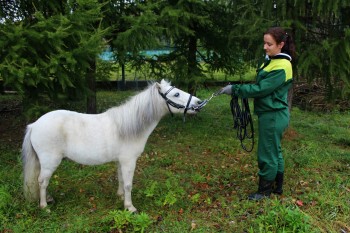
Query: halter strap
188	103
175	105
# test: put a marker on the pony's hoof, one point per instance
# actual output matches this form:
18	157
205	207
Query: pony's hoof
136	212
50	200
43	205
121	195
132	209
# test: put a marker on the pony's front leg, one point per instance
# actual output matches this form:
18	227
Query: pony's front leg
120	182
127	168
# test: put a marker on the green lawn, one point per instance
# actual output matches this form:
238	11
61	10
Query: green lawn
192	176
113	72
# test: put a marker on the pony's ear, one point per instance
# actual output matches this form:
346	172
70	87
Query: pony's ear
165	82
158	85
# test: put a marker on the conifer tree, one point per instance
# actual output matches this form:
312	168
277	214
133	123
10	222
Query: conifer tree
191	30
319	28
46	50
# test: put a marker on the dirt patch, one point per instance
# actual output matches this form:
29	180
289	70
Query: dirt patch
290	134
12	124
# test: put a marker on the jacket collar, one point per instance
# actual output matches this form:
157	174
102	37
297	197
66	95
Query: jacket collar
281	56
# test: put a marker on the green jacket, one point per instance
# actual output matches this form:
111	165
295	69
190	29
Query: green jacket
270	91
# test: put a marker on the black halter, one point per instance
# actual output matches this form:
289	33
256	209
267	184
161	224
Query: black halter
176	105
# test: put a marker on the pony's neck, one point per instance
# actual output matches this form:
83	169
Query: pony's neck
139	115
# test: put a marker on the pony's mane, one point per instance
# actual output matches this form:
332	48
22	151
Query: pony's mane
138	112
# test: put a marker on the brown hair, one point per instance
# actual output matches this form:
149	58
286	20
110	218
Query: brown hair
280	35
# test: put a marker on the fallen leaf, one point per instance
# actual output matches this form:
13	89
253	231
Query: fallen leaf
303	183
313	203
193	226
159	218
299	203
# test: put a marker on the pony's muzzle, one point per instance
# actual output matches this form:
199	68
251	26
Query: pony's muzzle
200	105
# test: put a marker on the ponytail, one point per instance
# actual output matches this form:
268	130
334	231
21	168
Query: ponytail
289	47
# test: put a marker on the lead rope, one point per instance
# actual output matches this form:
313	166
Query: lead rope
242	121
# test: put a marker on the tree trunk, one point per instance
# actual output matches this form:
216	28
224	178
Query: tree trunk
122	83
192	65
290	98
291	13
91	83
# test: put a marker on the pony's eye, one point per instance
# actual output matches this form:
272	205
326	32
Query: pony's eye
177	94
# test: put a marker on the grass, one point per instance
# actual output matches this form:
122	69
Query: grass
192	176
113	72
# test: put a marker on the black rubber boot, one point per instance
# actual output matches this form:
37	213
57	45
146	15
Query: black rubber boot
264	190
279	183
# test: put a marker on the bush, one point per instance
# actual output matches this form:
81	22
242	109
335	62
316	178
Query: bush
125	221
283	219
5	200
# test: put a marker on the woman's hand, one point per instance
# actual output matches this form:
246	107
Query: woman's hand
226	90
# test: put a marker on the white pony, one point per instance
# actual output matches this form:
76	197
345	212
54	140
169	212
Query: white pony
119	134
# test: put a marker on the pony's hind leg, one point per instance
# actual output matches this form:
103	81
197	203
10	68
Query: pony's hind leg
44	178
127	171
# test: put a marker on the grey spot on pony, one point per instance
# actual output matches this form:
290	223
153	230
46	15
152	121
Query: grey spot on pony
63	133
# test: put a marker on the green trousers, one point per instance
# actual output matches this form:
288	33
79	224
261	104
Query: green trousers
271	127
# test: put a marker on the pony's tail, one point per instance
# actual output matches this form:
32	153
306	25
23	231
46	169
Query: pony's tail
31	168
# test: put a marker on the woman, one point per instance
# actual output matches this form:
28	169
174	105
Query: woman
270	91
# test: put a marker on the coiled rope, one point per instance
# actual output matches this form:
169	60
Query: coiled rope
242	121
